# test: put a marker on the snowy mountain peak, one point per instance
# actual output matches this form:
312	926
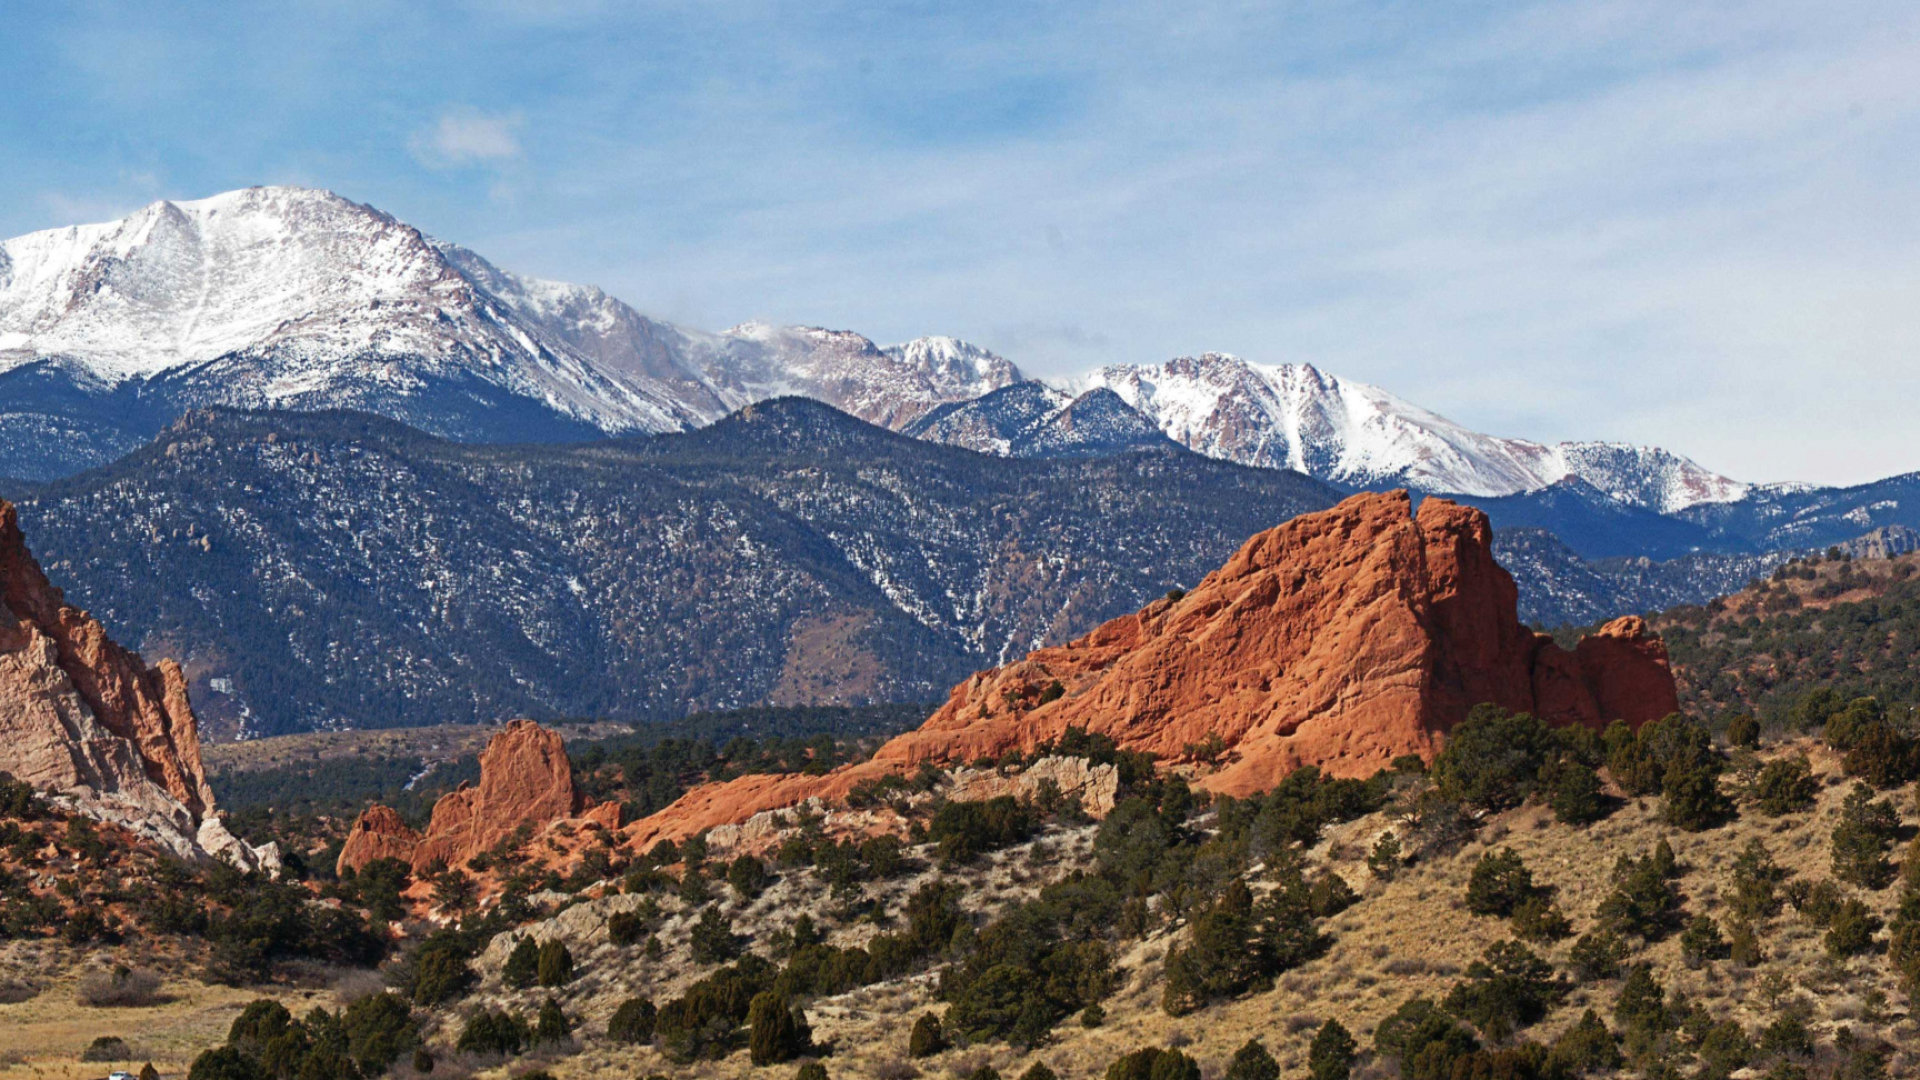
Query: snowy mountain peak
1298	417
298	298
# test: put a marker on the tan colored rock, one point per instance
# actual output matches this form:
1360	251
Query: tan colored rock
1094	787
1342	639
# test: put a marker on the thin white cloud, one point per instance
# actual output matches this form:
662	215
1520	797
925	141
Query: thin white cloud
466	136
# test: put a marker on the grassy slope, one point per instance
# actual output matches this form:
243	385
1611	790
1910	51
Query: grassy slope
1408	936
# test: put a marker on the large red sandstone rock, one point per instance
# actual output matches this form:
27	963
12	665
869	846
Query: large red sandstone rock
76	709
378	833
1341	639
525	778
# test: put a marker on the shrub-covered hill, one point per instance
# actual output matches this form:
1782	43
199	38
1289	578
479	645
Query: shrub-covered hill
1844	625
1539	904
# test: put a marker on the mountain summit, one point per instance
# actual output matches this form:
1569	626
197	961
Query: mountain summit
293	298
1295	416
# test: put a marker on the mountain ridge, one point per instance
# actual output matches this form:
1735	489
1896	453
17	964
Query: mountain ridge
298	298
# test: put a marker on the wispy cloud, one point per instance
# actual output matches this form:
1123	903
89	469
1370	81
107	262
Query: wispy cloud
467	136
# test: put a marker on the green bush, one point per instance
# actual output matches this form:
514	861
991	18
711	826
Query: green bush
748	876
1862	839
776	1031
1384	858
1754	883
223	1063
379	1028
490	1032
1743	943
1153	1063
1332	1053
1702	941
626	928
1492	759
1597	955
1785	786
1852	929
1849	726
1508	989
964	830
1252	1062
633	1021
258	1024
1573	794
523	964
1585	1048
1743	731
1424	1041
1641	1008
440	970
1500	881
1540	921
1330	895
712	938
1723	1050
1644	902
811	1070
107	1048
18	800
926	1038
552	1025
555	965
1237	943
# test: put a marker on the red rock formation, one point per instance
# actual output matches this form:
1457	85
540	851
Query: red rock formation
378	833
76	709
1342	639
525	778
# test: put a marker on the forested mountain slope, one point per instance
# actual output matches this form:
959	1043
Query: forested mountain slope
338	570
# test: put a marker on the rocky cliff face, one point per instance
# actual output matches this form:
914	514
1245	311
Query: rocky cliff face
1341	639
84	718
525	779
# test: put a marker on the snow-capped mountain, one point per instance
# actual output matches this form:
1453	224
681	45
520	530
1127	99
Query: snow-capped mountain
1295	416
292	298
288	298
890	387
300	299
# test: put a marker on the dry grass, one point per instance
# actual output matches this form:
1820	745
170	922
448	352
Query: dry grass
120	988
1408	936
47	1033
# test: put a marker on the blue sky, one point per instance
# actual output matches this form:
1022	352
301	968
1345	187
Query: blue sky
1691	224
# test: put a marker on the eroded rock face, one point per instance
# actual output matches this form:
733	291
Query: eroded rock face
1094	787
1342	639
88	721
525	779
76	709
